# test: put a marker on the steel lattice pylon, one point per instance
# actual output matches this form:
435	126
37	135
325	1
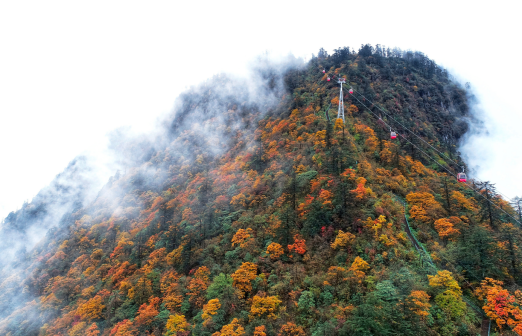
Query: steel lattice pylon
340	111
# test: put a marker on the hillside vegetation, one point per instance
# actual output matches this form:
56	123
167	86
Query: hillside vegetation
258	213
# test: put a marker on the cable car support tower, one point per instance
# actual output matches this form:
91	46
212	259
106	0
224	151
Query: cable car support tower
340	111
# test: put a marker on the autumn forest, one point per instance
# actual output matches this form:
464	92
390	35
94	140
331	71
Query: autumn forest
258	212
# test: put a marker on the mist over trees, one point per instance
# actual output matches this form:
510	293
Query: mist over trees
254	211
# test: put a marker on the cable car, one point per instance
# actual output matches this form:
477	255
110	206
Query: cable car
461	177
351	91
393	135
324	71
327	79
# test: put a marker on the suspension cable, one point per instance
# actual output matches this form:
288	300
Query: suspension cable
429	156
406	128
398	122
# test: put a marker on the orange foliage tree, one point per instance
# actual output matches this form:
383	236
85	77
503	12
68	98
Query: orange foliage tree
446	229
147	312
460	202
424	207
242	237
500	305
361	192
124	328
299	245
418	302
260	331
93	330
198	285
291	329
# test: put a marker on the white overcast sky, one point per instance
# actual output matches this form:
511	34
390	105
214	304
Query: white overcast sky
71	71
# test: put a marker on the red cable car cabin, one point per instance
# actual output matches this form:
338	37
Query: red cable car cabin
461	177
393	135
328	79
324	71
351	91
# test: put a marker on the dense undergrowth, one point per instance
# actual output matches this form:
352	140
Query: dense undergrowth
264	215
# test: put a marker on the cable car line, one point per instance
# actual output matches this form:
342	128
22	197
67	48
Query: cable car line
398	122
442	154
429	156
458	176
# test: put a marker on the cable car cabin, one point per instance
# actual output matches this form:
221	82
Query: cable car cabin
461	177
351	91
393	135
328	79
324	71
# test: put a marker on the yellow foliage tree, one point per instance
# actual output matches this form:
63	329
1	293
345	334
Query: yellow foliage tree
358	267
375	225
460	202
445	280
174	257
387	152
264	307
91	309
232	329
450	298
77	330
339	124
141	291
243	278
342	239
176	323
210	309
275	250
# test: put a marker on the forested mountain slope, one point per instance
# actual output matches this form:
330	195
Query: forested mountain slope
256	212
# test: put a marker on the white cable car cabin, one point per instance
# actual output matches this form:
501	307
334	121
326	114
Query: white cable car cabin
461	177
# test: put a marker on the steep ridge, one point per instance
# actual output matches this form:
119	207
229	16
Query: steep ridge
256	212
